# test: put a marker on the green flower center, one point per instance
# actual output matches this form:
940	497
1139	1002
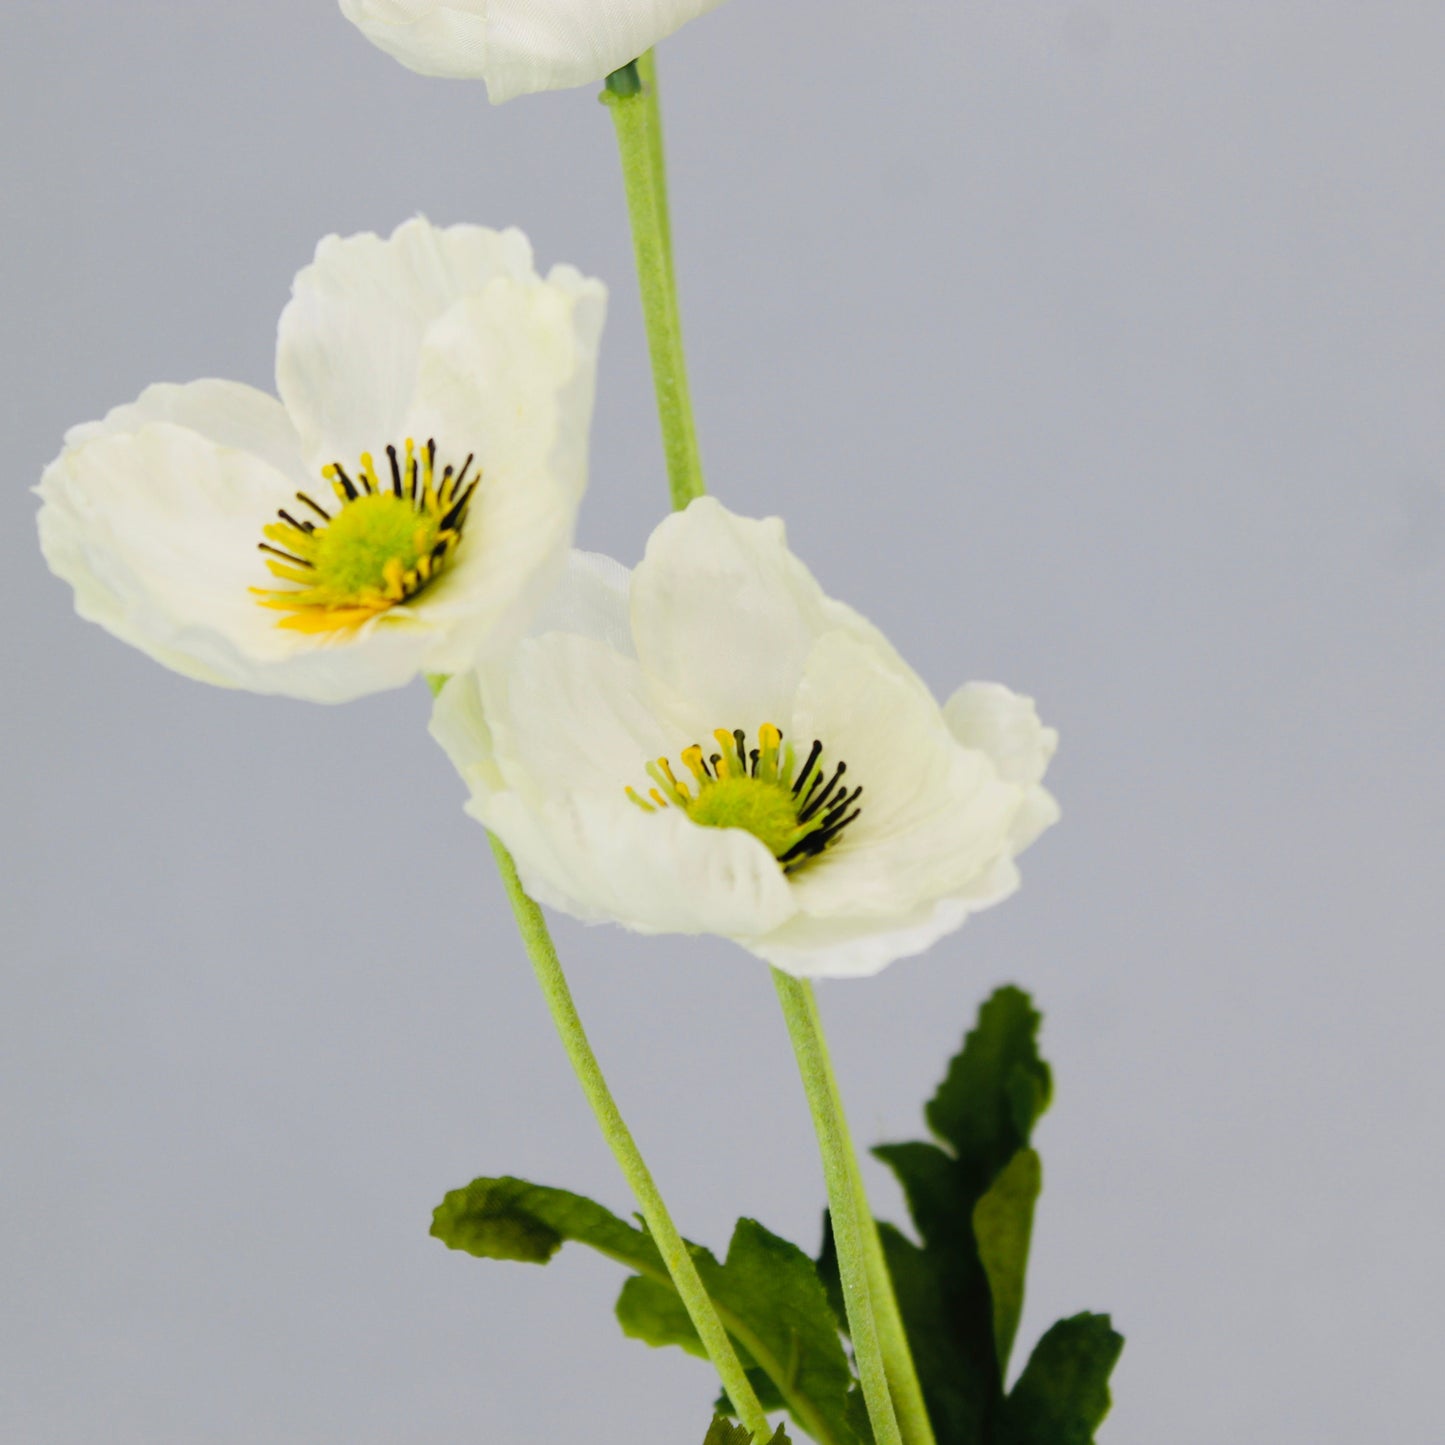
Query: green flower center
385	545
795	813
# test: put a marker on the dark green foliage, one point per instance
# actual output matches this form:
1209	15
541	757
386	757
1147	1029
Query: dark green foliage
1063	1394
724	1432
767	1291
960	1287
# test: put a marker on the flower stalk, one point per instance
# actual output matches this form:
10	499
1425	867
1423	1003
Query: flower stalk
542	953
801	1017
898	1364
631	96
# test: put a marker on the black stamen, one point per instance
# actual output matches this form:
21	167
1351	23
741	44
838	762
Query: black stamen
457	508
307	527
812	804
431	455
741	739
395	471
411	478
446	485
715	760
755	755
348	485
299	561
807	767
324	515
462	475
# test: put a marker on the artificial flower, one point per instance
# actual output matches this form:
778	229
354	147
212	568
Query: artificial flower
710	744
407	502
519	46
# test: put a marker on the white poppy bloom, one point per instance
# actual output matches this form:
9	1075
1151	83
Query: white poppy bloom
710	744
519	46
408	500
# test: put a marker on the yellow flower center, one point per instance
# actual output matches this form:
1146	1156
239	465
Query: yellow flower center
387	542
795	813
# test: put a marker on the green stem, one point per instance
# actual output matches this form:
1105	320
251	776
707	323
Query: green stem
631	96
897	1355
545	964
801	1015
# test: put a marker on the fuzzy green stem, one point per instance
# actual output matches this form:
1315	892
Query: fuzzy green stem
801	1017
543	955
631	96
902	1373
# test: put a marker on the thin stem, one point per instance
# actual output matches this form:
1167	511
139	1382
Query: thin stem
843	1203
897	1356
545	964
631	96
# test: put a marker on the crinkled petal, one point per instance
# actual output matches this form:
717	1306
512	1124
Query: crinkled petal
934	814
520	46
809	947
350	339
569	714
225	412
591	600
1006	726
727	616
156	530
508	374
513	553
601	858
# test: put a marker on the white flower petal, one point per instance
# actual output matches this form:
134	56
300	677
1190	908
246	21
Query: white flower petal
809	947
934	814
432	39
156	530
729	629
350	340
1006	726
600	858
509	373
569	713
726	615
520	46
225	412
590	600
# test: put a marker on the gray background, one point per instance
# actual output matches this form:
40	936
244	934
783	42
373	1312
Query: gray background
1092	347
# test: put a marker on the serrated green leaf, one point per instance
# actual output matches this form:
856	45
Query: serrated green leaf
509	1218
763	1387
939	1294
774	1306
724	1432
995	1089
961	1295
767	1291
651	1312
1003	1222
1062	1396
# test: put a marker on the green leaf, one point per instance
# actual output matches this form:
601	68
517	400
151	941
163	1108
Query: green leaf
971	1196
1003	1222
652	1312
511	1219
767	1291
773	1304
995	1088
724	1432
1062	1396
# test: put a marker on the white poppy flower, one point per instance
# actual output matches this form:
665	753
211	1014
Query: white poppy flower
710	744
519	46
409	499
